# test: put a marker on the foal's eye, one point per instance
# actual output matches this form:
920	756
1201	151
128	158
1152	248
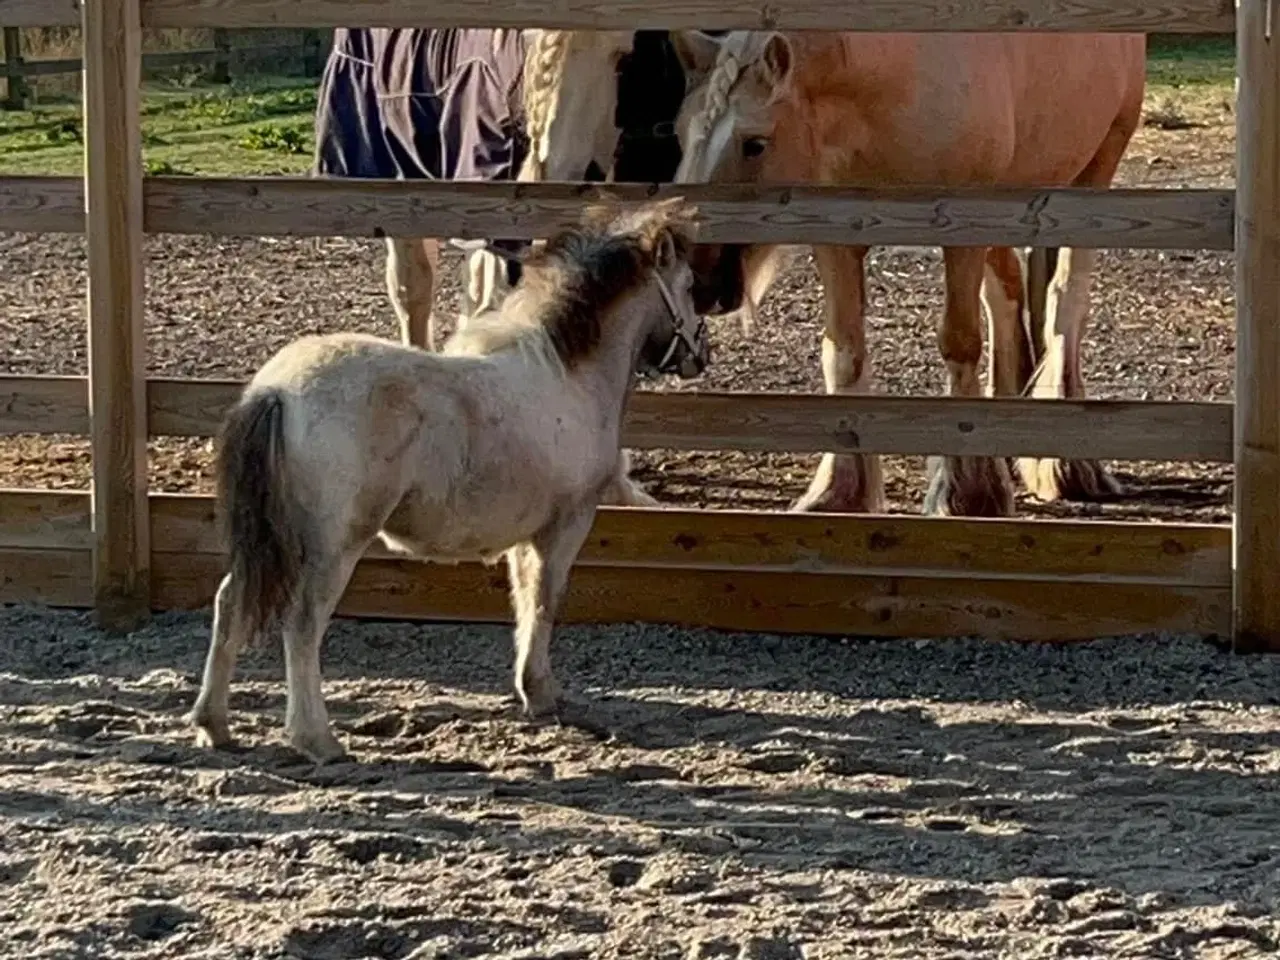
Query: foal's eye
752	147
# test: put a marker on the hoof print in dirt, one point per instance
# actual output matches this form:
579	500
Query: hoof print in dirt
381	726
675	874
624	872
770	948
155	921
777	761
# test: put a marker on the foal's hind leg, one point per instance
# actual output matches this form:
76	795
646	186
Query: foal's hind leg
966	486
539	572
412	267
209	715
306	719
622	491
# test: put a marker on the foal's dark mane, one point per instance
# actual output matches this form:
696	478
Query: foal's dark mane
582	273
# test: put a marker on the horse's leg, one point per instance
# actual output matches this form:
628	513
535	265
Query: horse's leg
209	715
1005	296
844	483
539	572
412	267
1066	316
1060	375
622	491
966	486
306	719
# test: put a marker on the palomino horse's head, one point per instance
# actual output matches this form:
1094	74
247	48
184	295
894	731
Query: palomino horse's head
631	264
570	98
726	132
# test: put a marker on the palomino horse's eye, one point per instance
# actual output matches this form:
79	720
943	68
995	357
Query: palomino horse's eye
752	147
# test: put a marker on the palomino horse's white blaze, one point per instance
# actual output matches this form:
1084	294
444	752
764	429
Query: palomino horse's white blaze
932	110
500	445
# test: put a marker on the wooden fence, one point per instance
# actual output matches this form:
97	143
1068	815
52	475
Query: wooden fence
223	59
125	552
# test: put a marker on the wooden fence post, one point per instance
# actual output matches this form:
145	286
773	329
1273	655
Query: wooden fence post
117	348
222	61
1256	600
16	98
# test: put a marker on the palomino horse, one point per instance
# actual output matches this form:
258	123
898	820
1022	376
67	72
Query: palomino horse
936	110
503	444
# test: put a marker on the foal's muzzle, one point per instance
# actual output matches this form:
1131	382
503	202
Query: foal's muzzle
689	351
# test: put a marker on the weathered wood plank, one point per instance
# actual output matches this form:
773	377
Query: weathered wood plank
41	204
1257	432
46	519
43	405
52	578
795	423
303	206
1183	554
780	602
40	13
1103	552
117	340
810	423
1166	16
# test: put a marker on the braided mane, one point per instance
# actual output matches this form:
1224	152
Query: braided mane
543	74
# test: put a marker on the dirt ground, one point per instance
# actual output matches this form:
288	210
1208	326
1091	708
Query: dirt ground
730	796
1162	329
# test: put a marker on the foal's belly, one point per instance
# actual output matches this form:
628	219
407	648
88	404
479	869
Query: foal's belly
461	531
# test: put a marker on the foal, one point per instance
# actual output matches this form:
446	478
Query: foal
501	444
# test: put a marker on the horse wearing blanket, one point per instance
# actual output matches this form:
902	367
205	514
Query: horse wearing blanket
501	445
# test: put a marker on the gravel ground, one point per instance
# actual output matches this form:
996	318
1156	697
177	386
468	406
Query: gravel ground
732	796
217	307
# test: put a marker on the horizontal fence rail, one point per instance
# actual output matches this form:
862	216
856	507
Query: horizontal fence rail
891	576
1156	16
303	206
762	422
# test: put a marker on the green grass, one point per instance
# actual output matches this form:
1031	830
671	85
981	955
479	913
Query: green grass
1177	62
266	127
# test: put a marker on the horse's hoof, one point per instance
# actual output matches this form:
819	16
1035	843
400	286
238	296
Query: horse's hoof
831	501
1076	481
969	487
540	696
211	733
318	748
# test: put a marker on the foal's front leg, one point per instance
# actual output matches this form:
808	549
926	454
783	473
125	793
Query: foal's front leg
622	491
539	572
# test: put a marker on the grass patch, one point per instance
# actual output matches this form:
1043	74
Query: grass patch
1191	61
242	129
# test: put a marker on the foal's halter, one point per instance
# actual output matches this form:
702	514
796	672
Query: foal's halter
692	342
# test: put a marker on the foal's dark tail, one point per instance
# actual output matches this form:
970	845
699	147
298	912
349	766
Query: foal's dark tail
262	524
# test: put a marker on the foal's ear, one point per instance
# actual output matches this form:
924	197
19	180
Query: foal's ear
775	62
666	249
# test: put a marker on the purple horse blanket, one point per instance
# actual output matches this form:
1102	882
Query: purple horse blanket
421	104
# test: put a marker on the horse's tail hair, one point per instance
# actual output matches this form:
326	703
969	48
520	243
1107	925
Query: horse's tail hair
262	522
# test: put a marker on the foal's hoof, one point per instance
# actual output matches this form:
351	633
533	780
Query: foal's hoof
211	734
318	747
540	696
